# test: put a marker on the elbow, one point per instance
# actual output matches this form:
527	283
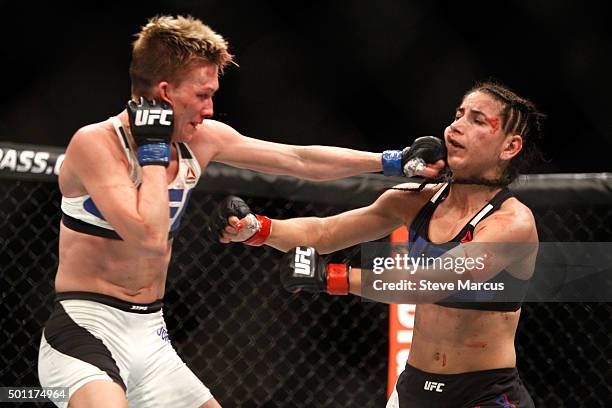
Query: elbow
312	174
320	239
155	246
155	241
150	244
315	176
323	250
308	169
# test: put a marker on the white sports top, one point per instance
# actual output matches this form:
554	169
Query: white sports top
82	215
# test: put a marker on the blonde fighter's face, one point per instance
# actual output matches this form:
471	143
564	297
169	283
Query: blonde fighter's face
192	99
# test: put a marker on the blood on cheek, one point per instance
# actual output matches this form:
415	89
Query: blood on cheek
494	122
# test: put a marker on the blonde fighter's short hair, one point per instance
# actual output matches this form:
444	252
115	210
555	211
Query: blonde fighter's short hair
168	45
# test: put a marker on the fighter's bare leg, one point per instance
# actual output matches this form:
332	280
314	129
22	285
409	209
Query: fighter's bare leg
99	393
211	403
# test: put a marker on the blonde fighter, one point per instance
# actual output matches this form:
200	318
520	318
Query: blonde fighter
125	185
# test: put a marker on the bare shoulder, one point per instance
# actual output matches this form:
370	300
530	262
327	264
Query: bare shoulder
91	146
514	219
517	211
211	130
212	137
215	125
99	135
94	144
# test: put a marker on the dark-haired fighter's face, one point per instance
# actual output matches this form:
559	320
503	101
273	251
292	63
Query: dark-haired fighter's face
475	138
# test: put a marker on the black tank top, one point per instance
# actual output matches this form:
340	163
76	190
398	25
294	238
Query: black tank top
420	245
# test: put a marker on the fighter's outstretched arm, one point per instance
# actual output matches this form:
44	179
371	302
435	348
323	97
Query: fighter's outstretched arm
224	144
233	222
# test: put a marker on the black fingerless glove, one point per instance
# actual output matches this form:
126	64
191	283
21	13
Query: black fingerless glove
424	150
303	268
151	124
230	206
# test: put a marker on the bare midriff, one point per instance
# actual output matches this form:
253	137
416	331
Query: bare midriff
451	341
110	267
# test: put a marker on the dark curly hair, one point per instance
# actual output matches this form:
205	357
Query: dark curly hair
519	116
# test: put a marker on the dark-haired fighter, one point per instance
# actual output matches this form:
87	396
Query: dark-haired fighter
462	351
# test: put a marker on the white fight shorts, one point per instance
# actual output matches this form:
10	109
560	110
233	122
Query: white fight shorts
90	337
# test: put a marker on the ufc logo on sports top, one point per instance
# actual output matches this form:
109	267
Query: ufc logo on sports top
302	263
433	386
148	117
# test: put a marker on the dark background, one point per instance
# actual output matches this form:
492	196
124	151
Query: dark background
366	75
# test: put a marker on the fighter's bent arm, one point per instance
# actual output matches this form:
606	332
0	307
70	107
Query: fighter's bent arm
390	211
139	216
332	233
507	240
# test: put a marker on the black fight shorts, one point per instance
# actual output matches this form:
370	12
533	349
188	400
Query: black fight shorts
498	388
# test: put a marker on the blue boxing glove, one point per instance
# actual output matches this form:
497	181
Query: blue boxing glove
151	123
412	160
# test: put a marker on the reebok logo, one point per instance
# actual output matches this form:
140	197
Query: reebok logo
467	237
191	176
148	117
302	262
433	386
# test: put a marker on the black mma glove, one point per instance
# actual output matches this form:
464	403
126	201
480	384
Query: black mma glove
151	123
303	268
235	206
412	160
